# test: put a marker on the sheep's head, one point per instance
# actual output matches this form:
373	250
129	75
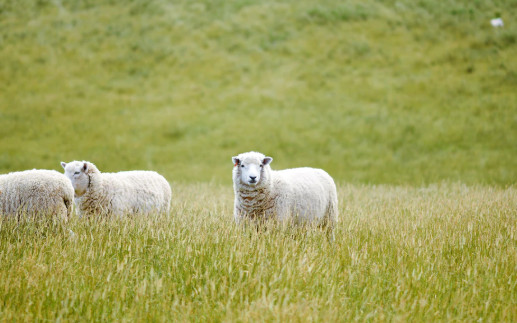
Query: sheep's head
250	168
77	172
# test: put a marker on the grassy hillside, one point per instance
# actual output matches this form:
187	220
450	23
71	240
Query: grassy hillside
373	91
437	253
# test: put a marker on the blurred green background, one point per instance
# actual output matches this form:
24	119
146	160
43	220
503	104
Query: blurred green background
399	92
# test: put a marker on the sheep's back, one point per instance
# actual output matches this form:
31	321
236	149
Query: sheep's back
308	191
137	191
36	191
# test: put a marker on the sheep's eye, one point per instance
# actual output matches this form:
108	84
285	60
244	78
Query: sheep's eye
242	166
76	173
261	166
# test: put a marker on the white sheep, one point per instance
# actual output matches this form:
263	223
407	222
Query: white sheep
497	22
301	195
122	193
36	192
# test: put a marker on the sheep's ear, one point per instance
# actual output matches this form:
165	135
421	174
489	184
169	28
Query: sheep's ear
236	161
267	161
85	167
63	164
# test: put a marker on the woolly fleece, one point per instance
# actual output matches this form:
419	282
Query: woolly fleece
33	192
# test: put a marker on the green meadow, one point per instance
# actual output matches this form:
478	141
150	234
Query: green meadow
410	105
444	252
372	91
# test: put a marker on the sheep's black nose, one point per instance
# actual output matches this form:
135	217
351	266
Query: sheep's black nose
253	177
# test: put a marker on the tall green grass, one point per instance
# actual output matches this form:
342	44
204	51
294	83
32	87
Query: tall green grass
372	91
438	253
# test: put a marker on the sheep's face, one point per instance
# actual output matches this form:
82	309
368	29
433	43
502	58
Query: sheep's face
77	173
250	168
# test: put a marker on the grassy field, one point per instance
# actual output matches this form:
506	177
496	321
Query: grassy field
389	97
377	92
437	253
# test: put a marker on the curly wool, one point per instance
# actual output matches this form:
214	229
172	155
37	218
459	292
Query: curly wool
124	193
34	192
300	195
